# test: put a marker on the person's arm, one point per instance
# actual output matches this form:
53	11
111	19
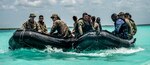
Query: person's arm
73	31
80	27
54	27
98	29
38	27
80	30
23	26
46	31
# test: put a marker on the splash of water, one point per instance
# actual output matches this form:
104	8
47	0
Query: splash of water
52	49
2	51
110	52
101	53
124	50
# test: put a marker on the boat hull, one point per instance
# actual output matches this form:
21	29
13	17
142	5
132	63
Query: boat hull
89	41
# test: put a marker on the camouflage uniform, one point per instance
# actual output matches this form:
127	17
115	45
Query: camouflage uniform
129	28
62	29
132	28
80	24
76	30
42	27
30	26
96	27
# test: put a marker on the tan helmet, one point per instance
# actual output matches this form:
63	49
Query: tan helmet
32	15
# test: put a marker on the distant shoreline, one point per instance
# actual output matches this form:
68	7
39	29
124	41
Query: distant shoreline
72	26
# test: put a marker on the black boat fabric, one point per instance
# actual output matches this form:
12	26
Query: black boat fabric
89	41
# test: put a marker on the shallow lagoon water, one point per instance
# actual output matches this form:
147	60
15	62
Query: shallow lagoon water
138	55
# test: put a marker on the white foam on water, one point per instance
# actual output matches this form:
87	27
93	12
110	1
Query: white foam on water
109	52
52	49
146	63
102	53
124	50
2	51
88	54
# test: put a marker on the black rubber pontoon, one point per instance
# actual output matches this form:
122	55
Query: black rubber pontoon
30	39
89	41
102	40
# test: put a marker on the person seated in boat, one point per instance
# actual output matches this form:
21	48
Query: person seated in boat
98	20
59	26
114	18
75	30
95	25
31	24
121	27
134	28
90	19
42	25
84	24
131	24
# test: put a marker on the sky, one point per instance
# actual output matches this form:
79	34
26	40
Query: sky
13	13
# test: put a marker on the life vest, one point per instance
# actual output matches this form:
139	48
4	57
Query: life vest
128	29
87	27
124	31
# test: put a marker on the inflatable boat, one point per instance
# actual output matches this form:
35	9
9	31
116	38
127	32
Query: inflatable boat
89	41
102	40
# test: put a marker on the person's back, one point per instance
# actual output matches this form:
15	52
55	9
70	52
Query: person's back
131	25
61	27
121	27
118	25
134	26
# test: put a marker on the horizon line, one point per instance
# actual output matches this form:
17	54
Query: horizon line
72	26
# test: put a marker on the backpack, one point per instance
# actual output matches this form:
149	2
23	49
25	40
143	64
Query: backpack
134	28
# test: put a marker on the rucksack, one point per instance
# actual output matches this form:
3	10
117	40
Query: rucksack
134	28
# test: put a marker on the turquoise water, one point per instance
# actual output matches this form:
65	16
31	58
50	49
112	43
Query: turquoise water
138	55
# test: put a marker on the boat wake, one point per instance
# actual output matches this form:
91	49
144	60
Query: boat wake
52	49
125	50
51	52
2	51
100	53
